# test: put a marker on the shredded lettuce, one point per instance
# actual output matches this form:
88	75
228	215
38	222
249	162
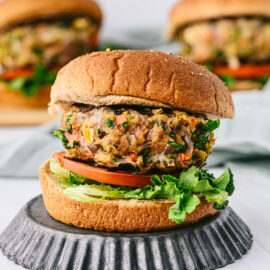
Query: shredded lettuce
58	170
185	191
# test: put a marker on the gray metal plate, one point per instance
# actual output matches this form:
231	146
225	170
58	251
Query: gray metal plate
37	241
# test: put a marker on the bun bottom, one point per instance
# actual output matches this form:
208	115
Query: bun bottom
113	215
16	98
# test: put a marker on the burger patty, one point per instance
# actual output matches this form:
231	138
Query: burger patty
228	40
49	43
143	138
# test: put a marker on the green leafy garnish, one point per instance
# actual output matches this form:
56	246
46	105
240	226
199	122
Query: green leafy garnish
201	140
211	125
221	206
108	46
75	143
37	50
179	146
184	190
203	133
145	152
61	135
208	66
219	53
110	123
29	86
126	124
68	125
228	80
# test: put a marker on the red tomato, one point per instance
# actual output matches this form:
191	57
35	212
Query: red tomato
119	178
248	71
94	40
15	73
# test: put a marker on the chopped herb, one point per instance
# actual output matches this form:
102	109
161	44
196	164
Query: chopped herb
110	123
179	146
37	50
172	135
126	124
211	125
60	135
68	125
75	143
157	123
219	53
98	131
145	152
202	139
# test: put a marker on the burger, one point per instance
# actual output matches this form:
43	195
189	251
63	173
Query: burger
36	39
137	128
231	38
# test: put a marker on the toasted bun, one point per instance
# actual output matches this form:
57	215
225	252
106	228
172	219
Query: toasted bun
14	11
146	78
189	11
15	97
113	215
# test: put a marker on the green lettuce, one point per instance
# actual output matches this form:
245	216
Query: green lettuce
185	190
29	86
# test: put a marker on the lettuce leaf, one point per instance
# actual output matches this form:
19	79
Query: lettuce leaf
29	86
184	191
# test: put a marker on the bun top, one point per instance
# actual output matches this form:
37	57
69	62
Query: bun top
146	78
189	11
15	12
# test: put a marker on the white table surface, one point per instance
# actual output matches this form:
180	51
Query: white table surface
251	199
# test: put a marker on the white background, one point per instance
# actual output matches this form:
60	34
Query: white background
251	199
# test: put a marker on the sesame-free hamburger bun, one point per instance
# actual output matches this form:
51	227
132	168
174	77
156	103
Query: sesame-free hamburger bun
189	11
129	79
146	78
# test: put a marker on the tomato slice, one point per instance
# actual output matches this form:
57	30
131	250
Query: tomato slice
248	71
22	72
94	40
15	73
119	178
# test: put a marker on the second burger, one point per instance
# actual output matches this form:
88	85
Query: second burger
36	39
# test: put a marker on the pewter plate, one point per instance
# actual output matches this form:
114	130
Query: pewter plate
34	240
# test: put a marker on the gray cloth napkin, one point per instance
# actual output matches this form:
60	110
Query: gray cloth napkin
23	158
243	141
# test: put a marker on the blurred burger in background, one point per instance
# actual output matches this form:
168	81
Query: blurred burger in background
232	38
36	39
